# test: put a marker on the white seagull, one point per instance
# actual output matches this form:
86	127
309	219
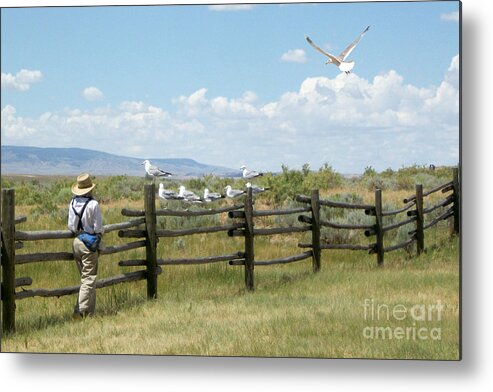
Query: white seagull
168	194
256	189
154	171
340	61
233	192
211	196
188	195
250	173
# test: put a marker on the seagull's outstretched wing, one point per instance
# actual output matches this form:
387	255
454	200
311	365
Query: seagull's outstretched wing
332	58
350	48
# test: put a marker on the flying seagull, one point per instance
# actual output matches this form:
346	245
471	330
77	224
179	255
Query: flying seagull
211	196
233	192
154	171
168	194
340	61
256	189
250	173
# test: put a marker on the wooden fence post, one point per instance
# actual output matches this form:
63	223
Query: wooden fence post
420	233
151	239
249	241
8	258
456	206
315	205
379	226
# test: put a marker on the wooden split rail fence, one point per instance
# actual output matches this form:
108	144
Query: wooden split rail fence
413	207
249	232
142	228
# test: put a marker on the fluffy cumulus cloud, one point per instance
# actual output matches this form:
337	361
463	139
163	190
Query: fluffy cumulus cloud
15	127
221	108
294	56
116	130
92	94
22	80
383	122
347	121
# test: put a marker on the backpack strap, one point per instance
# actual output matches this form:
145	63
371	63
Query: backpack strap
81	213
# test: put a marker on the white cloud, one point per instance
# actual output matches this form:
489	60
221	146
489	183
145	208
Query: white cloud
450	17
92	94
132	106
294	56
15	128
231	7
348	121
22	80
114	130
452	75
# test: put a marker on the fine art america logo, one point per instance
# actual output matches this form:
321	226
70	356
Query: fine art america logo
401	322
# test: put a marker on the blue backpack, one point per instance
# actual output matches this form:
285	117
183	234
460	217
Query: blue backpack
91	241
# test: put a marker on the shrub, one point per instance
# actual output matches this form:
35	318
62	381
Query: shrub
49	208
324	178
404	182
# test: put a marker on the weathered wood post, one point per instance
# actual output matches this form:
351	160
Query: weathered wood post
315	206
379	226
249	241
420	233
151	239
456	206
8	257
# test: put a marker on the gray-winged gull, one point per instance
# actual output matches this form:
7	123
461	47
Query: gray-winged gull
250	173
168	194
233	192
340	61
188	195
211	196
256	189
154	171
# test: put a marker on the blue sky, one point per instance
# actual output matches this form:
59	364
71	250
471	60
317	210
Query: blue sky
232	86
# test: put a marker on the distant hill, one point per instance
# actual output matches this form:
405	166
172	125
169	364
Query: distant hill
73	161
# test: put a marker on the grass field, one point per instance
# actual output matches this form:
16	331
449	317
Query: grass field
350	309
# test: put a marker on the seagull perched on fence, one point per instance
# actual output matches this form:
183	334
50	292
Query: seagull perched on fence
188	195
340	61
168	194
154	171
211	196
233	192
250	173
256	189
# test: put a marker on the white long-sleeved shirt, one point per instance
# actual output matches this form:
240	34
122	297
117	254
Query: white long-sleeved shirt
92	220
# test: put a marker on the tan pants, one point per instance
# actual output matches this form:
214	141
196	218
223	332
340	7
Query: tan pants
87	263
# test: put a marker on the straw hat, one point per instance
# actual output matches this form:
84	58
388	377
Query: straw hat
84	185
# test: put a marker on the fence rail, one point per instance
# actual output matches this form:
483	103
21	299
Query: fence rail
398	211
198	230
243	216
336	204
336	225
280	212
105	282
286	260
339	246
188	261
378	229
